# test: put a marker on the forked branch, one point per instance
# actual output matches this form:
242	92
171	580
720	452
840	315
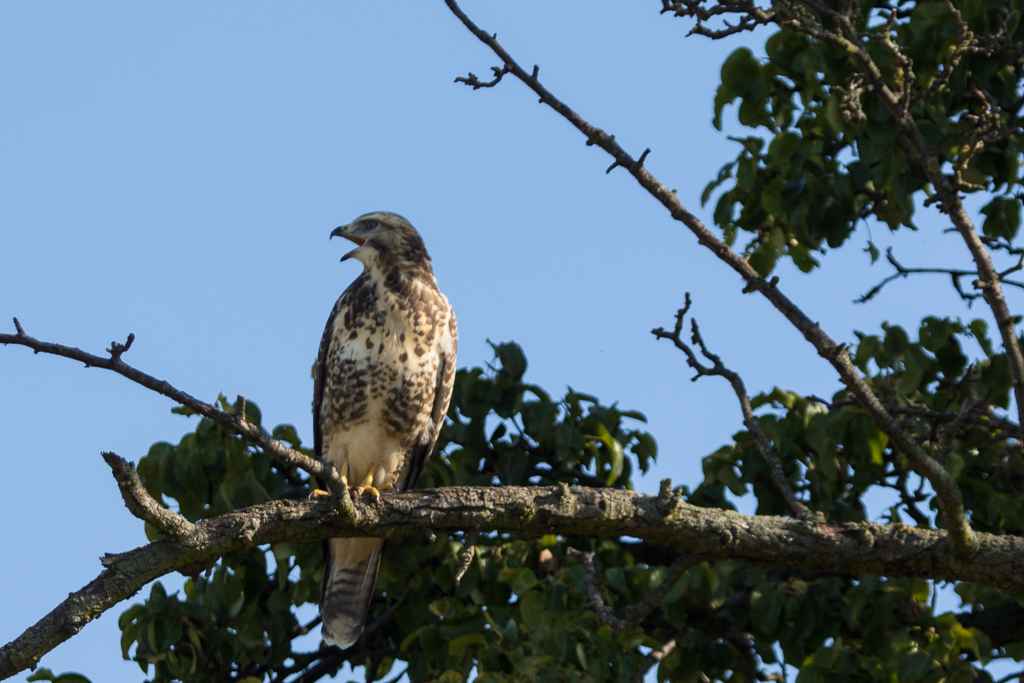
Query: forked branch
279	452
764	445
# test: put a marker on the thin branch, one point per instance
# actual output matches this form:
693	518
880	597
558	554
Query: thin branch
988	420
473	81
949	495
653	660
634	613
594	601
954	274
637	613
144	506
237	423
951	429
910	501
764	445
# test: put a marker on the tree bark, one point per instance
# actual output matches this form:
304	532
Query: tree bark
892	550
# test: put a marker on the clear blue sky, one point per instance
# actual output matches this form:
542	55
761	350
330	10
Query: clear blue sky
174	170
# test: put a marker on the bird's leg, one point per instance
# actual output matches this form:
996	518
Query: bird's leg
366	487
342	474
386	487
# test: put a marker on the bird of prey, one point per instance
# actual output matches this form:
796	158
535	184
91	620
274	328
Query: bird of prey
384	378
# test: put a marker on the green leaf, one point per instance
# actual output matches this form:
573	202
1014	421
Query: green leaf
531	607
457	647
873	251
513	360
524	581
1002	217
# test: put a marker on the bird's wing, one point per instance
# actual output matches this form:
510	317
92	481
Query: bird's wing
329	573
445	381
318	380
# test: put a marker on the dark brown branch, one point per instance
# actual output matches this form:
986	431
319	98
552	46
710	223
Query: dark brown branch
910	501
949	432
144	506
278	451
764	445
476	83
634	613
954	274
594	601
988	420
893	550
949	496
637	613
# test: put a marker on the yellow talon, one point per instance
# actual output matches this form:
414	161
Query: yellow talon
363	489
319	493
387	487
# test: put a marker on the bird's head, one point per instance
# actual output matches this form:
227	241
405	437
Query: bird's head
387	242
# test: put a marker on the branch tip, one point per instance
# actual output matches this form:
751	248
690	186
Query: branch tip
116	349
668	500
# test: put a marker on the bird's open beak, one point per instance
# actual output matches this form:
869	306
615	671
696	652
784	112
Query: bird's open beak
341	232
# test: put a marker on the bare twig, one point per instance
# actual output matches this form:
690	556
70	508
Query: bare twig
954	274
278	451
764	445
910	501
949	495
476	83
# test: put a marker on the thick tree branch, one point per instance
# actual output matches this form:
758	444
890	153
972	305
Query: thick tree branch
950	498
893	550
279	452
764	445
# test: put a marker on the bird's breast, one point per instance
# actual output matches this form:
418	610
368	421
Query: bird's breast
382	361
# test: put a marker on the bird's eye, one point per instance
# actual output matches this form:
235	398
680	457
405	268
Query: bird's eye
371	224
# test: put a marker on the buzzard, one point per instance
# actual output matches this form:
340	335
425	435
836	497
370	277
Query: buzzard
384	378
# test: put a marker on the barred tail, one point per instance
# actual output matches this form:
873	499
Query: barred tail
350	572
